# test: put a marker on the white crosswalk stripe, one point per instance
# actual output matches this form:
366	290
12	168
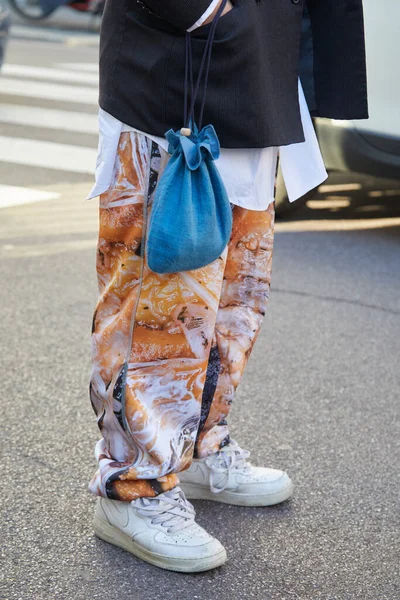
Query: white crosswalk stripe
63	120
49	91
85	67
11	195
50	155
51	74
43	150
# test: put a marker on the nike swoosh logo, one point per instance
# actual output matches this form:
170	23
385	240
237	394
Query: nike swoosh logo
118	513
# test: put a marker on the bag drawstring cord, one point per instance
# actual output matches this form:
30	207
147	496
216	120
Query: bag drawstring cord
188	117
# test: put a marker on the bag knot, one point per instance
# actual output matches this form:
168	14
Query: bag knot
200	145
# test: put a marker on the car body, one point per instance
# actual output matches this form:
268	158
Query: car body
370	146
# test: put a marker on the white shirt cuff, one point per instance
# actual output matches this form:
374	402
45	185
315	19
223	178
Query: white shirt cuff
204	16
302	165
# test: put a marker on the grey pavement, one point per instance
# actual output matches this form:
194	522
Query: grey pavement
320	398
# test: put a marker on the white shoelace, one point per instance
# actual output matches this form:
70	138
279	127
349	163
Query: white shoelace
170	509
231	457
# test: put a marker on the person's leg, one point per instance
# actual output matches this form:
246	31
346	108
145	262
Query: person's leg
220	470
242	306
151	340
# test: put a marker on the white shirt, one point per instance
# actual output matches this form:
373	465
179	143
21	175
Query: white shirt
248	173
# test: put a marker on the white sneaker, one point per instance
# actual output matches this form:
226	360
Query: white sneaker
227	477
160	530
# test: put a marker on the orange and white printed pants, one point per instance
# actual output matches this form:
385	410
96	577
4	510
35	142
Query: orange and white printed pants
168	350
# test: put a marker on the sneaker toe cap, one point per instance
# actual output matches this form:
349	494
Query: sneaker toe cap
189	543
265	481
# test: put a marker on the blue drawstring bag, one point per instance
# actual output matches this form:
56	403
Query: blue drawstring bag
191	217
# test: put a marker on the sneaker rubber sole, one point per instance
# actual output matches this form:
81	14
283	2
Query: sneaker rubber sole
115	536
193	491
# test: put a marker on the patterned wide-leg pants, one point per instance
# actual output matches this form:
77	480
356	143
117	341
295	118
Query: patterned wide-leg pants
168	350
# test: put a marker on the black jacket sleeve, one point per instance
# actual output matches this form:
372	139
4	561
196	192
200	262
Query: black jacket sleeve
182	14
339	67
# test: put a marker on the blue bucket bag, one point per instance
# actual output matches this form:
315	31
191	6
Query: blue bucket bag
191	217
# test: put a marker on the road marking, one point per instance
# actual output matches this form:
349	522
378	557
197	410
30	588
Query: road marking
11	195
69	38
33	250
49	91
49	155
48	118
88	67
48	73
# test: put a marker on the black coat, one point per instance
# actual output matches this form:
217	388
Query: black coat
261	47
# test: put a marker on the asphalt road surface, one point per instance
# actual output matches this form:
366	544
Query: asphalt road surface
320	397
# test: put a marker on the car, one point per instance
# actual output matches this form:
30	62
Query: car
370	146
5	22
